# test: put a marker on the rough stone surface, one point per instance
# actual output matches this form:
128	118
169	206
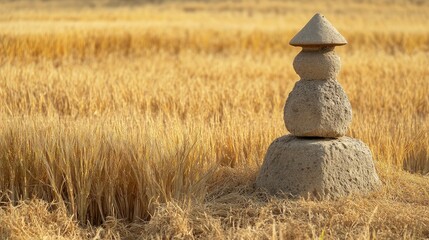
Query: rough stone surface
319	64
317	167
317	108
318	31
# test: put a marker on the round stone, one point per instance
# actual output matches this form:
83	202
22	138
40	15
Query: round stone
317	108
317	64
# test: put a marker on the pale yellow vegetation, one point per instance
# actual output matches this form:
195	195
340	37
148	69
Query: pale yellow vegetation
152	121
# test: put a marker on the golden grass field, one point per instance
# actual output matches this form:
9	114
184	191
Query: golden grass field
151	120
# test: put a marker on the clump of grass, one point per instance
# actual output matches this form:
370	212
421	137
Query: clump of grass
100	170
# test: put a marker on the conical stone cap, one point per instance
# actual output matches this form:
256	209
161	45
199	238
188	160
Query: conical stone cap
318	32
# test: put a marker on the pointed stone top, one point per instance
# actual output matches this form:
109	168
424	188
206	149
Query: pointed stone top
318	32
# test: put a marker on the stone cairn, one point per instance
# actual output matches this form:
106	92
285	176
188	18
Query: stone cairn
317	159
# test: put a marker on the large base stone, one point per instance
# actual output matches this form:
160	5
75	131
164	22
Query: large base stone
317	108
318	167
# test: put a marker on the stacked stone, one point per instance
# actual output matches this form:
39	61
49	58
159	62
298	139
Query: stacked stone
317	158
